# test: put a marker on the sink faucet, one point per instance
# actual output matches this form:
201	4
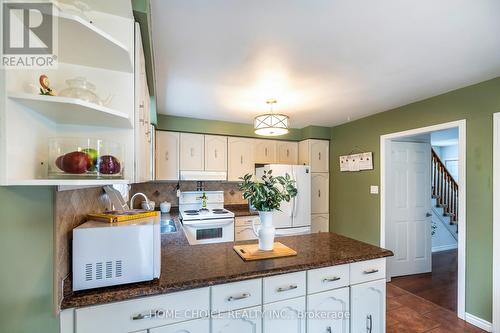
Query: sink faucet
134	196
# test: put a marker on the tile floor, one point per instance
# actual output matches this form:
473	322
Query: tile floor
408	313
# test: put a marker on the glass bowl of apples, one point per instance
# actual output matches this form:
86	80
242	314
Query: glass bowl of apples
73	158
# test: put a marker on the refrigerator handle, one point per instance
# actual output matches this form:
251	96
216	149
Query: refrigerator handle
294	209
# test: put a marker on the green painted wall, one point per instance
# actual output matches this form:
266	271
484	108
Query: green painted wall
193	125
356	213
26	254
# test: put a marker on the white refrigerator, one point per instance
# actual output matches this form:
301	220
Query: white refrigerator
294	217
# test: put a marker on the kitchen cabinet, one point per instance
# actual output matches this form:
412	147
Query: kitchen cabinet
315	153
368	307
319	223
319	193
215	153
167	155
201	325
142	128
192	152
334	302
285	316
240	158
243	229
242	321
287	152
264	151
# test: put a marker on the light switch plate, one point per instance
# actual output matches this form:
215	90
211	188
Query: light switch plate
374	189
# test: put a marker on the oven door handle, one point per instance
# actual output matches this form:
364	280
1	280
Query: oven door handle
208	225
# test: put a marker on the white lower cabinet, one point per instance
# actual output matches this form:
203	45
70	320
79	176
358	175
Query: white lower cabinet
201	325
241	321
285	316
335	299
368	307
329	311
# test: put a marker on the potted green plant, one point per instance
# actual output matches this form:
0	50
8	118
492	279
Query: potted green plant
266	194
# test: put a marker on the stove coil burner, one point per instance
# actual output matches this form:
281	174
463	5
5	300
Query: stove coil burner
219	211
192	212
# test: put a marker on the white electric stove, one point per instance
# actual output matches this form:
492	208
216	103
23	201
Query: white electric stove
214	224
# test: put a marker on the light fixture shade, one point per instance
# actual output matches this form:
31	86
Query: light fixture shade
271	124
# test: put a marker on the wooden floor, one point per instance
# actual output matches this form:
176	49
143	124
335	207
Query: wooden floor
408	313
440	286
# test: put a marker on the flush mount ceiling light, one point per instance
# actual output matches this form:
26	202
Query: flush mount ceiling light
271	124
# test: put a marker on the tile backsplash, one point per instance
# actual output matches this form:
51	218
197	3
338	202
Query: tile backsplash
159	192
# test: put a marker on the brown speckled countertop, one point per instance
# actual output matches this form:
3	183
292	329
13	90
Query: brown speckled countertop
241	210
186	267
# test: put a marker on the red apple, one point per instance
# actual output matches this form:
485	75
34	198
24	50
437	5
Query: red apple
76	162
108	165
59	163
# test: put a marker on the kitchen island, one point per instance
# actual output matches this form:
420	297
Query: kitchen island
329	270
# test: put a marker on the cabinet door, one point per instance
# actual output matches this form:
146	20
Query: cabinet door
319	155
242	321
291	317
288	152
368	307
265	151
240	158
215	153
244	233
304	152
334	302
167	155
192	152
201	325
319	223
319	193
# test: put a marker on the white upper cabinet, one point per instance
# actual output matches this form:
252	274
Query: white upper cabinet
167	155
288	152
240	158
315	153
319	193
319	223
215	153
264	151
192	152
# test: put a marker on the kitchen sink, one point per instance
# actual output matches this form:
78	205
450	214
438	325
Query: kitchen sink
167	226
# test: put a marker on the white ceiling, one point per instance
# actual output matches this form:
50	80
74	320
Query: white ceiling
325	61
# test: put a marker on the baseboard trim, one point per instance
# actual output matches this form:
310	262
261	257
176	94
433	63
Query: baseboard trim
444	248
478	322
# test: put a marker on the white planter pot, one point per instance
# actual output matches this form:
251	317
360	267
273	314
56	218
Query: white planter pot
265	232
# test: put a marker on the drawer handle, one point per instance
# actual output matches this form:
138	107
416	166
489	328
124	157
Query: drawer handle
237	298
371	271
149	315
290	287
332	279
329	329
369	324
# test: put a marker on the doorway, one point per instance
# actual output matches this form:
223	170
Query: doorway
423	206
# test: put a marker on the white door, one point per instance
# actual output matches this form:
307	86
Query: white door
319	155
242	321
215	153
368	307
265	151
201	325
167	155
319	193
334	302
192	151
291	317
240	158
301	204
319	223
288	152
409	208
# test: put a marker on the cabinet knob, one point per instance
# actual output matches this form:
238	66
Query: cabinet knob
329	329
241	159
265	151
369	323
166	156
287	153
319	193
319	156
215	153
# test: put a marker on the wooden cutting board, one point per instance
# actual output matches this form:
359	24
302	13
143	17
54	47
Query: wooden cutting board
249	252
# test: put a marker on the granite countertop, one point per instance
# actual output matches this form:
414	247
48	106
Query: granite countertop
187	266
241	210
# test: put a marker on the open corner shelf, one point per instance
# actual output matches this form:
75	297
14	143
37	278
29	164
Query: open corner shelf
66	110
82	43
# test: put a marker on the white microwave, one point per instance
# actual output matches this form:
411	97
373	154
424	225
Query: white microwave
107	254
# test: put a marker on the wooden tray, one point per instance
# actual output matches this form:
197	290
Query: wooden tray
249	252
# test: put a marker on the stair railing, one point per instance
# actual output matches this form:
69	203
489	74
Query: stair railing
444	188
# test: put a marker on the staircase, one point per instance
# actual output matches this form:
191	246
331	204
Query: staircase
444	190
